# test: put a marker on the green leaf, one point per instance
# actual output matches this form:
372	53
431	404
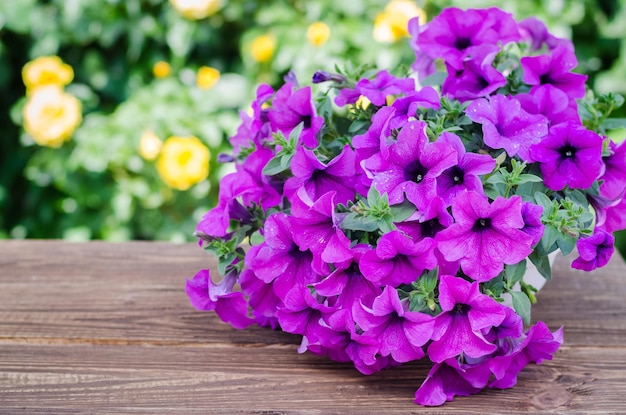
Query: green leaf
515	273
542	263
359	223
277	164
550	235
225	261
566	244
613	123
543	200
521	305
529	178
295	134
435	79
496	178
402	211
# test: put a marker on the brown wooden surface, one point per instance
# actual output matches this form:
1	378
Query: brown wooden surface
100	328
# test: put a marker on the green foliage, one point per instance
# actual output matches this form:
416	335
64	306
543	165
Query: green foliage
98	186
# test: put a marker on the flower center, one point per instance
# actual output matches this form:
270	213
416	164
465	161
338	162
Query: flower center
415	172
295	252
482	224
457	174
462	43
306	119
461	309
431	227
545	79
567	151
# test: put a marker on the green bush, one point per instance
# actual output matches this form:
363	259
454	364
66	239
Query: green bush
97	185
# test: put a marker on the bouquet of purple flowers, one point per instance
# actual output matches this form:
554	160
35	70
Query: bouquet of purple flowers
388	218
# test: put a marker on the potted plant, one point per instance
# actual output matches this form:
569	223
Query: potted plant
390	218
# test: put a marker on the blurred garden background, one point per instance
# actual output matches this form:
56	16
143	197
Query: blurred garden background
126	83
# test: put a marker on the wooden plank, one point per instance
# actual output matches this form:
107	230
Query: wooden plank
107	328
135	292
222	379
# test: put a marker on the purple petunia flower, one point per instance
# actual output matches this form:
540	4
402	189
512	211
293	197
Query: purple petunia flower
247	184
569	156
397	259
316	227
376	90
464	175
614	175
291	108
506	125
531	214
536	33
550	102
485	236
412	165
477	77
465	314
261	298
346	285
280	259
537	345
407	107
229	305
302	313
555	69
594	251
400	333
318	178
255	129
449	379
454	34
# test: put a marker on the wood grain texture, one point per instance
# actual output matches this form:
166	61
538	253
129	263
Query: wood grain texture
107	328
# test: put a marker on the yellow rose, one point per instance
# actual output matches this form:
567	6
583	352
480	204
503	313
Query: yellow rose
262	48
46	70
318	33
196	9
150	145
184	161
392	25
207	77
51	115
161	69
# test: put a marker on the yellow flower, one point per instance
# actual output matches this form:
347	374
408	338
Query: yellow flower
392	25
161	69
46	70
51	115
196	9
150	145
184	161
318	33
207	77
262	48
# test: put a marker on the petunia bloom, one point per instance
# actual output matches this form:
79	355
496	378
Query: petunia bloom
400	333
466	312
412	165
291	108
485	236
376	90
594	251
506	125
570	156
229	305
463	176
397	259
279	258
555	69
318	178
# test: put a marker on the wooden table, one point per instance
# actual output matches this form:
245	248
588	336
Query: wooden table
99	328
